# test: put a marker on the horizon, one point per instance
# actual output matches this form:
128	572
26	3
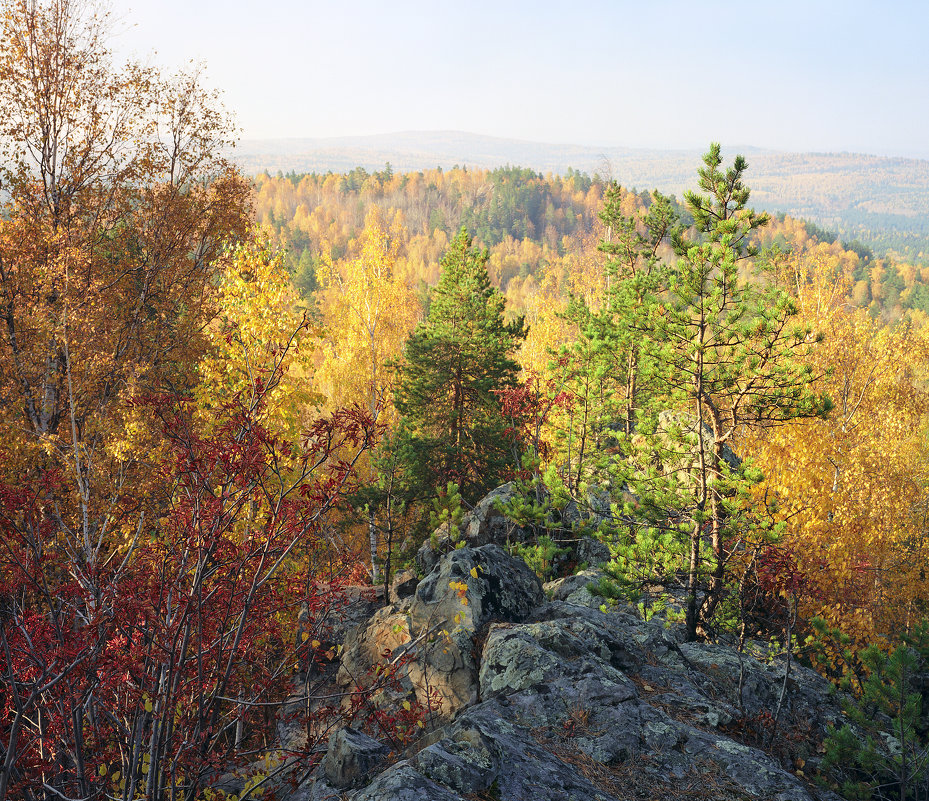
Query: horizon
728	147
837	77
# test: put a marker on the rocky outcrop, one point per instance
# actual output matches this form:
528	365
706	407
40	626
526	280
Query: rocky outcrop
436	629
629	694
591	552
351	757
403	782
486	752
576	589
553	695
576	703
403	586
483	525
678	430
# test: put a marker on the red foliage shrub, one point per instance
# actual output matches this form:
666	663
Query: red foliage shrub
148	671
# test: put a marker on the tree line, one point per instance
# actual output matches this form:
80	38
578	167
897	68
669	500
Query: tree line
532	225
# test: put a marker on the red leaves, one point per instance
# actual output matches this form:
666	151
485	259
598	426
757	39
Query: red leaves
778	572
143	663
397	723
527	407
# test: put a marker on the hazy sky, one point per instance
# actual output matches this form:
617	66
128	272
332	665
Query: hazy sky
850	75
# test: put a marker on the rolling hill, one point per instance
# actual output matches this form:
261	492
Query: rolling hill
883	202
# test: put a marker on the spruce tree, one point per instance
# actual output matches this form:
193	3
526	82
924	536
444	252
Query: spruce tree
453	363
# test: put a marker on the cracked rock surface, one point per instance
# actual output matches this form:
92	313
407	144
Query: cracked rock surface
559	701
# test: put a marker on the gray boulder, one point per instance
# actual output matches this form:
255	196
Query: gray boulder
498	587
678	430
482	525
403	586
438	627
590	511
402	782
592	552
574	589
351	757
570	669
486	753
558	651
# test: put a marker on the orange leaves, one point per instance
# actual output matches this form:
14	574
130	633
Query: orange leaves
461	588
115	203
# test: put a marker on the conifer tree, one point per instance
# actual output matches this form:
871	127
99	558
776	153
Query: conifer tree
636	273
720	343
728	342
608	372
453	363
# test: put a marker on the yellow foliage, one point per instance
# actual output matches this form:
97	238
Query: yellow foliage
260	328
110	219
853	489
367	313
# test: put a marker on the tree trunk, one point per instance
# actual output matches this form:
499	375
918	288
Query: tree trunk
372	543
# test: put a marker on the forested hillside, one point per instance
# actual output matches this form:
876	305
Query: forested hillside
221	436
567	253
883	202
534	227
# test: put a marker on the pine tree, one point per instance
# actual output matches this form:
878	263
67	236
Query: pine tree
453	363
608	372
636	273
720	343
729	343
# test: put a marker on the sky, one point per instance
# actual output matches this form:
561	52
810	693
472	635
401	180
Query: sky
816	75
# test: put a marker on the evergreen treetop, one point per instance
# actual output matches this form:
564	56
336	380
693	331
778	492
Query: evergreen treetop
454	362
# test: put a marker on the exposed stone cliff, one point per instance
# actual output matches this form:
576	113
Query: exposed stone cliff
545	697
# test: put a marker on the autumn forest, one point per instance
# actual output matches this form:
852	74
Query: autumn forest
228	401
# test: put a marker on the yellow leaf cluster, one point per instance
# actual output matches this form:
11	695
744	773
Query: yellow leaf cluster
852	489
368	311
110	220
260	334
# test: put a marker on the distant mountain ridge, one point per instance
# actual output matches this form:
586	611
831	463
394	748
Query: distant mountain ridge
418	150
883	201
